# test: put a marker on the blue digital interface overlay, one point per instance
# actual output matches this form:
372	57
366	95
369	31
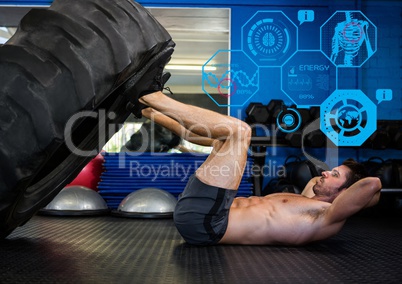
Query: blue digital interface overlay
305	16
383	95
348	117
237	81
348	38
269	38
306	78
288	120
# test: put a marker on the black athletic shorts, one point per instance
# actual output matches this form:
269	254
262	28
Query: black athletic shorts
202	212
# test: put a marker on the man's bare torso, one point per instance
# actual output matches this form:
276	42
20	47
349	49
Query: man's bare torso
281	218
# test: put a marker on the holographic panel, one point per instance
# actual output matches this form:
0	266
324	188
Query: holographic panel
269	38
348	38
348	117
238	80
306	78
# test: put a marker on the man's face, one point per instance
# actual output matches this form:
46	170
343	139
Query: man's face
330	182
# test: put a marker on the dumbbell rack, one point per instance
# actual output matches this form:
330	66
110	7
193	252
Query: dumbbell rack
259	147
388	134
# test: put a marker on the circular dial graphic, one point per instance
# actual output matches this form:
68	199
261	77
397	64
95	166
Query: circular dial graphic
268	39
348	118
288	120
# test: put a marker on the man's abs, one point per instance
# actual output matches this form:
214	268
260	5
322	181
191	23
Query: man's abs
280	218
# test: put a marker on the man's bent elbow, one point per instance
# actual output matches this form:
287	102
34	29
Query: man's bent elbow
375	186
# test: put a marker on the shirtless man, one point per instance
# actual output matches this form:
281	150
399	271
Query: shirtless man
208	213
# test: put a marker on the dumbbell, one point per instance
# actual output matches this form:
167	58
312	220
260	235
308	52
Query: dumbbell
380	139
394	130
314	112
372	166
294	138
274	108
315	139
304	114
257	113
398	139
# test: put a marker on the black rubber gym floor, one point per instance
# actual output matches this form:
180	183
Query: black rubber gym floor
110	249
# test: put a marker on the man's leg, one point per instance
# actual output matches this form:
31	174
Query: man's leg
230	138
201	214
175	127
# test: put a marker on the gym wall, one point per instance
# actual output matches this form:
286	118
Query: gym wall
292	51
371	77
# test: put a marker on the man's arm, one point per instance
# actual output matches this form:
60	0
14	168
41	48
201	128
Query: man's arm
308	189
363	193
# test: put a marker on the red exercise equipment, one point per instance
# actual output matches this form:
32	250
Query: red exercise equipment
90	174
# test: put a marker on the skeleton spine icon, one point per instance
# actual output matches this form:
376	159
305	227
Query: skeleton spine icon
348	37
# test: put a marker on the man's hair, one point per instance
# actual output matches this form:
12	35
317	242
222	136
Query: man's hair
357	172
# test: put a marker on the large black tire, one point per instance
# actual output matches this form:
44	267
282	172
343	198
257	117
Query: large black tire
75	56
